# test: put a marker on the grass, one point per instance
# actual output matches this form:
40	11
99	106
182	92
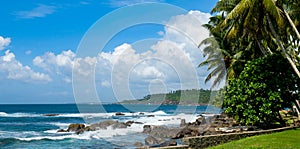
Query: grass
289	139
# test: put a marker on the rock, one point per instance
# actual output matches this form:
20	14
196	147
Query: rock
147	129
160	131
129	123
150	140
172	143
61	130
80	131
102	125
138	123
89	128
138	144
182	123
51	114
75	127
187	132
119	125
119	114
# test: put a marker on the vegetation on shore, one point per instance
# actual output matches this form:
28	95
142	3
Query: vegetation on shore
285	139
187	97
254	45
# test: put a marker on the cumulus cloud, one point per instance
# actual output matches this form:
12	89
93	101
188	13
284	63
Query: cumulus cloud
38	12
15	70
173	60
62	64
4	42
50	62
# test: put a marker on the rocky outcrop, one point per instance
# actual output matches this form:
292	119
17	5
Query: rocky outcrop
80	128
160	135
52	114
210	125
75	127
119	114
151	140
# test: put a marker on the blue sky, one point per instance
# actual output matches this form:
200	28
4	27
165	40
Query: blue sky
39	39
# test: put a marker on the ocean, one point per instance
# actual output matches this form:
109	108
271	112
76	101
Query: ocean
27	126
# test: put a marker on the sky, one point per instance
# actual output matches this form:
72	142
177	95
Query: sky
41	60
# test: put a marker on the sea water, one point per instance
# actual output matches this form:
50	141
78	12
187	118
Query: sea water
27	126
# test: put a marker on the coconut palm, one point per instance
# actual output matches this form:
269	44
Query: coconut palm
252	29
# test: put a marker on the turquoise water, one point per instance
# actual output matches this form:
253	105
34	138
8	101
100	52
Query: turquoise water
26	126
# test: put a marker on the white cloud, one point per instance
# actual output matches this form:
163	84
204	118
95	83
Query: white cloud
84	66
15	70
187	28
173	60
39	12
62	64
56	63
4	42
28	52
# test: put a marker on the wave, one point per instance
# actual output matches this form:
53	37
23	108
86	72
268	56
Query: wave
3	113
100	134
84	115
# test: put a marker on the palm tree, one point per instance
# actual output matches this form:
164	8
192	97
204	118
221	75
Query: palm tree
249	29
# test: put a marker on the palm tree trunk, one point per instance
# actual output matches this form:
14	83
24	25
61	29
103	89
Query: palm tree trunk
282	48
286	55
292	23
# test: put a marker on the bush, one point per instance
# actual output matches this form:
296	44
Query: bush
265	86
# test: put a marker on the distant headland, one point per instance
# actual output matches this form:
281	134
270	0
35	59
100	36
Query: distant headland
183	97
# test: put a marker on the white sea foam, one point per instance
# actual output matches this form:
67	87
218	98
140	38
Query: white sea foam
10	134
166	119
83	115
19	115
3	114
110	132
62	137
60	125
54	131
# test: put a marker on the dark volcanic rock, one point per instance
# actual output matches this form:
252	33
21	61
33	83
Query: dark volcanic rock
119	125
129	123
119	114
51	114
61	130
182	123
102	125
161	131
150	140
75	127
147	129
172	143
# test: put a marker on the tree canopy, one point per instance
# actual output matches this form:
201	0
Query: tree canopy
265	86
254	46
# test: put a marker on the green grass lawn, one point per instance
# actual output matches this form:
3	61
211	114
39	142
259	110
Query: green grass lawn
289	139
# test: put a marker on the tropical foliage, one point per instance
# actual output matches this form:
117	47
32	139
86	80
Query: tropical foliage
246	37
255	97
